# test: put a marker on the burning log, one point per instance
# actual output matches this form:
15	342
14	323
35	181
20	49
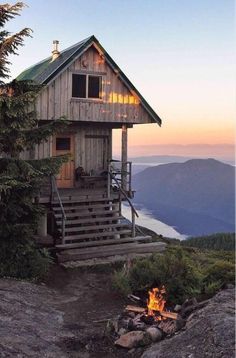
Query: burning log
135	309
167	314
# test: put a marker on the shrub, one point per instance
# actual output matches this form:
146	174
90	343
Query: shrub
221	272
211	288
173	269
23	260
185	272
121	282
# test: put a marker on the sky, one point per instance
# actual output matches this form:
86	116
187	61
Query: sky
178	53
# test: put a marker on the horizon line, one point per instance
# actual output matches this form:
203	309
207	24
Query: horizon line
184	145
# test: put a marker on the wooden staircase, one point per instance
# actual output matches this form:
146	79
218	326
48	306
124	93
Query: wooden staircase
95	228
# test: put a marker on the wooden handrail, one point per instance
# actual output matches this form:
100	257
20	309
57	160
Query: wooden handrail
133	211
127	173
63	222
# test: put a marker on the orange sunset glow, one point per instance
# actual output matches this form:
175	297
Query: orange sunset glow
193	115
182	64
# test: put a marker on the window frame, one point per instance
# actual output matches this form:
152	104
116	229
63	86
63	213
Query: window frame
86	98
59	143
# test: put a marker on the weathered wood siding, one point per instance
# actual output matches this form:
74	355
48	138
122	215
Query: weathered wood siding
117	105
92	148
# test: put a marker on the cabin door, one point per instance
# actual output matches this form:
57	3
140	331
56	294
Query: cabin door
64	144
96	153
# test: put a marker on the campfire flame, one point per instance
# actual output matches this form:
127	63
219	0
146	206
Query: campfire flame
156	302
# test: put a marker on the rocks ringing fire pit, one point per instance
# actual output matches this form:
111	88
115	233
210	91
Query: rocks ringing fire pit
140	326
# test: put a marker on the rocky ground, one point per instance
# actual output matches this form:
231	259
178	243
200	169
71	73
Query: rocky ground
67	317
209	332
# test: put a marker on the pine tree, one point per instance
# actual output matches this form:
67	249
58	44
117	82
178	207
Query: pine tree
20	180
9	43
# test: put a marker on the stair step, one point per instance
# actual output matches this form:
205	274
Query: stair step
94	227
96	235
108	260
83	207
104	242
104	251
90	220
75	201
88	213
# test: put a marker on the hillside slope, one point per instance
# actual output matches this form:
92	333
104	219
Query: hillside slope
218	242
197	197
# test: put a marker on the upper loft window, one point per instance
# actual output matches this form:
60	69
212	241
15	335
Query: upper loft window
86	86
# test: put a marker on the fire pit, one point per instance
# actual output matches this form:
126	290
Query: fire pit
138	325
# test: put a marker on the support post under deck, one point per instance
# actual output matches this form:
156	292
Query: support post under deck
124	157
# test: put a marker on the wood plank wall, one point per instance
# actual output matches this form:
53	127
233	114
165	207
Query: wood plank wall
93	147
118	104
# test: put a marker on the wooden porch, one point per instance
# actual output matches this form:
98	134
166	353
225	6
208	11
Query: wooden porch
89	223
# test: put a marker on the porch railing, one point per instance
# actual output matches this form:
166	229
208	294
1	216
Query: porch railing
112	178
123	174
54	190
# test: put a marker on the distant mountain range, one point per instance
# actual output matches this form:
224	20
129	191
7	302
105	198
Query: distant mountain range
218	151
141	163
197	197
160	159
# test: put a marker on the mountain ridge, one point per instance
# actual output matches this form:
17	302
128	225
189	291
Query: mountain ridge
201	188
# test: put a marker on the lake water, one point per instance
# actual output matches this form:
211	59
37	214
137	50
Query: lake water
147	220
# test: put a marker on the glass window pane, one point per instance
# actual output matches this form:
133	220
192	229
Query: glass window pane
94	86
79	86
62	143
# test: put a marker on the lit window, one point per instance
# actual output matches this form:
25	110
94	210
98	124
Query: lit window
86	86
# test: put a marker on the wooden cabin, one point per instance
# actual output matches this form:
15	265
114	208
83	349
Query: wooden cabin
85	85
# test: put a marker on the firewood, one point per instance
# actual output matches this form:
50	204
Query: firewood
135	309
168	327
171	315
102	320
134	298
138	309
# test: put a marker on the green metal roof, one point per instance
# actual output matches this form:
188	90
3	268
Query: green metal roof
44	71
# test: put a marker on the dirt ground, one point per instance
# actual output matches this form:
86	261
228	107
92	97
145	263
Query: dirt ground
66	317
89	300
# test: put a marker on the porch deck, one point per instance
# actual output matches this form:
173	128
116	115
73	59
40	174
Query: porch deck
89	223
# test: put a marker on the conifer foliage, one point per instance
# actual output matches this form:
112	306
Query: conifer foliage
20	180
9	43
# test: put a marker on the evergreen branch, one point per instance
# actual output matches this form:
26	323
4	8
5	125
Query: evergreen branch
11	43
8	12
8	46
49	166
37	135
